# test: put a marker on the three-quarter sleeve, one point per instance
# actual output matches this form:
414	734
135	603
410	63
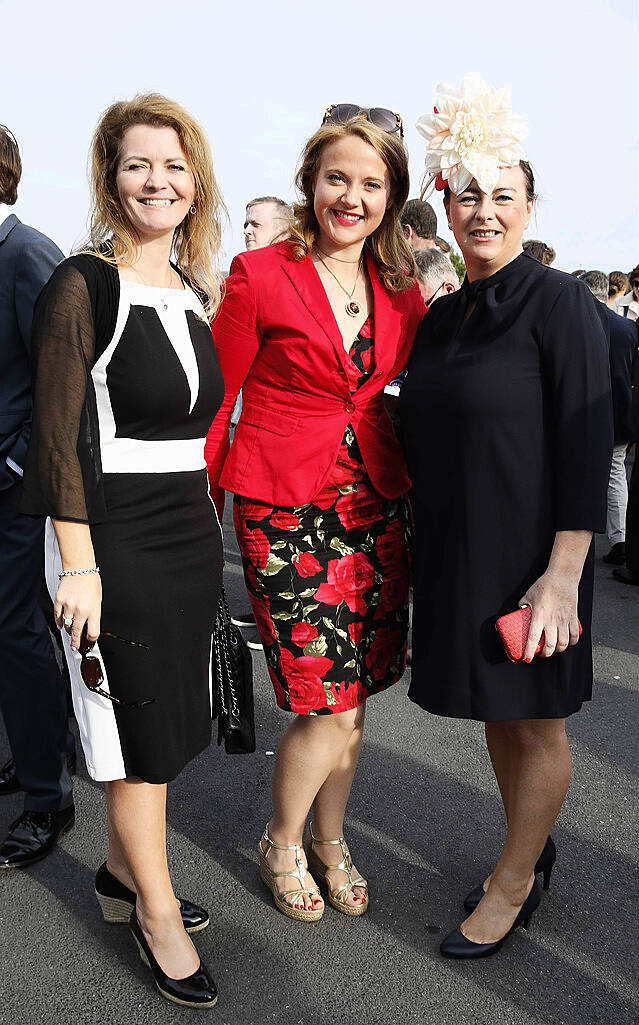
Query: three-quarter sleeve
63	343
237	339
575	359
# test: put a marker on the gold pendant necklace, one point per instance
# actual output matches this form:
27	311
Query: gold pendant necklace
352	307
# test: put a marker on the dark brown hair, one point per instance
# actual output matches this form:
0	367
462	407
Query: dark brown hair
10	167
420	216
528	175
541	251
618	283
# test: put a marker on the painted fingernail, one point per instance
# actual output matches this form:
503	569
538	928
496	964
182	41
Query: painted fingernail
528	660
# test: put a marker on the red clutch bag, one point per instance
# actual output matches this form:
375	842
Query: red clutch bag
513	630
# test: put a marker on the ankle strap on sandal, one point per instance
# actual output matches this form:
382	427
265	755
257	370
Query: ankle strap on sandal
298	872
340	840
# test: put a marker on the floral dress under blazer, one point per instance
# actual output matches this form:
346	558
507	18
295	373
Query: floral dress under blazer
328	580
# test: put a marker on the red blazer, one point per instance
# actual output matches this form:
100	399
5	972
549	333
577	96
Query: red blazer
276	337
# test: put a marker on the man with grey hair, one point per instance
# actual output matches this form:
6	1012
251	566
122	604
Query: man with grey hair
437	276
268	219
623	371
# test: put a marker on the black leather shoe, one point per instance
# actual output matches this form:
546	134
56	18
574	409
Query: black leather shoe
545	863
617	554
117	902
197	990
34	835
244	618
458	946
624	575
9	782
8	778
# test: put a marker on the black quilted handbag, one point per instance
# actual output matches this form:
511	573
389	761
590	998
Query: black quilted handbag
232	685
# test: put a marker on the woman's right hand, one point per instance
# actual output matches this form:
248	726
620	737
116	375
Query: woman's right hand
79	600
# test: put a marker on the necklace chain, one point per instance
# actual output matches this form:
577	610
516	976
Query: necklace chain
148	283
336	258
352	306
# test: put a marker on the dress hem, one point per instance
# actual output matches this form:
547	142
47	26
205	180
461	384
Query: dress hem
348	707
448	714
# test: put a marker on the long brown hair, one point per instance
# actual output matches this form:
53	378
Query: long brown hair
393	257
198	238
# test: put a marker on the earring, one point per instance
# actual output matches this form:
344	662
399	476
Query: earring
192	210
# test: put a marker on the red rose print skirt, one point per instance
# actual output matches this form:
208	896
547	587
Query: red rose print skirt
328	582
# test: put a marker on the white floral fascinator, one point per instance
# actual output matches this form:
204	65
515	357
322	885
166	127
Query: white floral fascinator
471	134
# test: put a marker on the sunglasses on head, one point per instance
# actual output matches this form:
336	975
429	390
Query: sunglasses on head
342	113
91	672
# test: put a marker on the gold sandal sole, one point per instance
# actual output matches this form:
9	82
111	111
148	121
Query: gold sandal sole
297	914
318	869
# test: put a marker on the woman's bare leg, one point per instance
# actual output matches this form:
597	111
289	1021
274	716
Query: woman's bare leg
136	816
309	751
540	767
500	751
329	807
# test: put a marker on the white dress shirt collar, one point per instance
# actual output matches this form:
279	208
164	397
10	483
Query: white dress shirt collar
5	211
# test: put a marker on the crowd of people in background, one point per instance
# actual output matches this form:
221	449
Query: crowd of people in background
121	438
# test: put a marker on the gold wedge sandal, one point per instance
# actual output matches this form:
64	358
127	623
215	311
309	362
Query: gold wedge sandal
269	877
339	896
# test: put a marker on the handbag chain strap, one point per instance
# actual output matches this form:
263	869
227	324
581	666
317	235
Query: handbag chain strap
222	653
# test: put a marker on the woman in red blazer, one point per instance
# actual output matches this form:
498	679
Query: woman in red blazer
312	330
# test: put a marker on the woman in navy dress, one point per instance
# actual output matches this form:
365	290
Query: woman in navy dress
506	416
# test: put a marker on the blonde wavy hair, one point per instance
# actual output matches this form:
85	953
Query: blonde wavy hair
197	239
393	257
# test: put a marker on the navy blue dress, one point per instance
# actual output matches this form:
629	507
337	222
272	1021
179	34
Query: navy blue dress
506	416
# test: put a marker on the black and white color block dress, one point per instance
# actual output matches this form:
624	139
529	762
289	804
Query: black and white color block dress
127	386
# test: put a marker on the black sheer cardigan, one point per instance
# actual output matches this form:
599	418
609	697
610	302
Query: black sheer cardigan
73	323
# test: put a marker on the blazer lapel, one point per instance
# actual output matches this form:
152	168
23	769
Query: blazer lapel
307	283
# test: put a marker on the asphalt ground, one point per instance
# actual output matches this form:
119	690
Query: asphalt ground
425	826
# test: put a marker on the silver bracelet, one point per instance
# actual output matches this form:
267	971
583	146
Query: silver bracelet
77	572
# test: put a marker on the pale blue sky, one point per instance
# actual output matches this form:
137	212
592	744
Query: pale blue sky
259	77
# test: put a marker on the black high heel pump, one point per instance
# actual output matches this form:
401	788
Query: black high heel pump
545	864
458	946
197	990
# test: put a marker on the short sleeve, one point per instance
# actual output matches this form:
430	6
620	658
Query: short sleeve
63	344
576	367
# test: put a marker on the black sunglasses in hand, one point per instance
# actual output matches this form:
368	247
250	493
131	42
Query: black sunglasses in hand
342	113
91	671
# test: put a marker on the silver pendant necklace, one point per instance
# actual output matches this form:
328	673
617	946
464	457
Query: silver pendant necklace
352	307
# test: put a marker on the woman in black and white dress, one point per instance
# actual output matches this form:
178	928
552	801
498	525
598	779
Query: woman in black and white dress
128	383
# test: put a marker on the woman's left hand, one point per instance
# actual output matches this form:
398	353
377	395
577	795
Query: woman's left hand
553	599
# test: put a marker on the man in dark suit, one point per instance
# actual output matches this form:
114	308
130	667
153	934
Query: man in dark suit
32	697
623	373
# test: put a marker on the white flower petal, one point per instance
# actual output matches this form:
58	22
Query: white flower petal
424	125
432	161
459	179
473	133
